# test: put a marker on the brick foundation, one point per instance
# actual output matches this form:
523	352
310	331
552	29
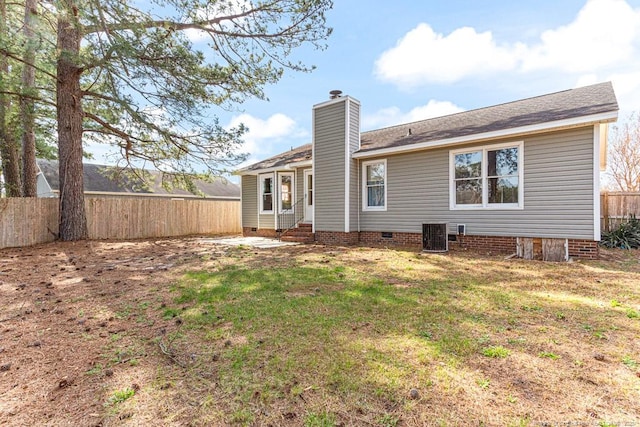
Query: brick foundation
396	239
259	232
486	243
503	245
336	238
585	249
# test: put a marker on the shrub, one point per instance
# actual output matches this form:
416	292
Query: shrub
626	236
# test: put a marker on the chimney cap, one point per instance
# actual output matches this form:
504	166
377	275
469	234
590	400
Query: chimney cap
335	94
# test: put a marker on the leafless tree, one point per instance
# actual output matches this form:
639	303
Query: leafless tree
624	155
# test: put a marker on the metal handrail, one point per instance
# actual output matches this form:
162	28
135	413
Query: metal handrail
291	218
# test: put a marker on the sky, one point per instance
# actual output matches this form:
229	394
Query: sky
409	60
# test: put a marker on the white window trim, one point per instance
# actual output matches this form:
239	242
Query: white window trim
292	195
485	205
261	179
365	207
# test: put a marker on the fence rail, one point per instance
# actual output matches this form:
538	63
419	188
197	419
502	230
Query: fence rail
29	221
616	206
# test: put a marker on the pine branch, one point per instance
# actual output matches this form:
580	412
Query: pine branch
14	56
26	95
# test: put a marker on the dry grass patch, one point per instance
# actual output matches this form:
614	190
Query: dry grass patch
179	332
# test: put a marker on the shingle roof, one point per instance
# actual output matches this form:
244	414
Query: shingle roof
568	104
299	154
97	178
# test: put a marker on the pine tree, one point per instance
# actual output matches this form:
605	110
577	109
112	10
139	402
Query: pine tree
136	81
27	95
27	102
8	142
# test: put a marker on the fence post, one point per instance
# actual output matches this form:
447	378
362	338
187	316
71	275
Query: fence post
605	210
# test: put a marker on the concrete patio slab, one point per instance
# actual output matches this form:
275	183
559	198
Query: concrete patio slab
255	242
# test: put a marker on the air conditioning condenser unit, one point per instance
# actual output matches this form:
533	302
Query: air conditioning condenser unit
434	237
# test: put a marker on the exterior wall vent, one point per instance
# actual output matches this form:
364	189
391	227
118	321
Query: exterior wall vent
386	235
434	237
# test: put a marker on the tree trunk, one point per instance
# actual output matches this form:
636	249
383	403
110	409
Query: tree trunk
73	220
8	143
29	167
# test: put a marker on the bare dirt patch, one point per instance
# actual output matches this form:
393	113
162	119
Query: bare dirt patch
63	305
84	325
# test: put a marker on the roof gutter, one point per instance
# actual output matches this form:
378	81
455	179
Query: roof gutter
512	132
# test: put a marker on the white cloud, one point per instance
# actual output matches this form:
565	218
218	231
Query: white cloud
423	56
263	135
587	79
605	34
392	116
625	84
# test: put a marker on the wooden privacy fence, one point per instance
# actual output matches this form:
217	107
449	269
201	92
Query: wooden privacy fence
616	206
29	221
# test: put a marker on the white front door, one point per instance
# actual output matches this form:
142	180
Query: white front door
308	196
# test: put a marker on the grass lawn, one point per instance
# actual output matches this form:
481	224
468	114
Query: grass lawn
360	336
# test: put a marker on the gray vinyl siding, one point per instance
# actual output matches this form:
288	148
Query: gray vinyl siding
267	221
329	166
558	191
249	184
354	179
299	184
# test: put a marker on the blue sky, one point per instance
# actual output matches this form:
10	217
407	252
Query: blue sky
408	60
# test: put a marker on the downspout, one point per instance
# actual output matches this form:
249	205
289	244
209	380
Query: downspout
276	200
313	170
597	140
359	191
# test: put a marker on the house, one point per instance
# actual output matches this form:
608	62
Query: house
99	180
511	178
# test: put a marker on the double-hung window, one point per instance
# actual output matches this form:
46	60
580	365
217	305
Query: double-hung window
286	192
266	193
374	185
487	177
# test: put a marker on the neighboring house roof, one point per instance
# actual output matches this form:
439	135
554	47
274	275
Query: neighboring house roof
593	103
99	180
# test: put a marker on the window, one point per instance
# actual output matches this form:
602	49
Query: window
286	192
266	193
374	189
487	177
